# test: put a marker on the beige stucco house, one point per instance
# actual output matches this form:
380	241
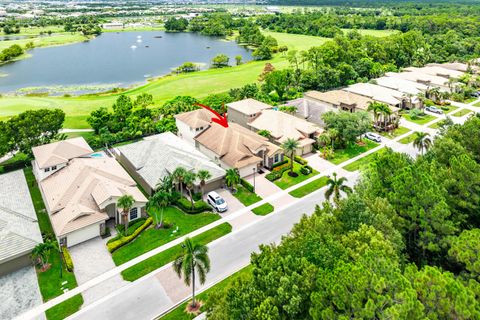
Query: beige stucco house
245	111
82	195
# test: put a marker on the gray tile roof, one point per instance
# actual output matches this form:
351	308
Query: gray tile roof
156	156
19	230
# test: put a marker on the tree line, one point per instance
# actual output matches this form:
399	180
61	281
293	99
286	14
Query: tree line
404	244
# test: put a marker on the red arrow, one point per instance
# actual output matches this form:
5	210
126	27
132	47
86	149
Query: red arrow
218	118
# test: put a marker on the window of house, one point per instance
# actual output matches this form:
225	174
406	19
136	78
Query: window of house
54	168
133	213
275	159
46	169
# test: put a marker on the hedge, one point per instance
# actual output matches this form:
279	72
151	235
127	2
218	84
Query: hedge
114	245
68	259
300	160
279	163
199	206
275	175
306	170
247	185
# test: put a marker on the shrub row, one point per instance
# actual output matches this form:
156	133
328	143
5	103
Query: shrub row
68	259
132	226
279	163
300	160
283	166
247	185
114	245
199	206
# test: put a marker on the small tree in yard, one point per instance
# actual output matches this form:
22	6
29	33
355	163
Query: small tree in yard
220	61
232	178
41	254
289	146
178	176
238	60
422	141
193	259
189	180
125	202
158	202
335	186
203	176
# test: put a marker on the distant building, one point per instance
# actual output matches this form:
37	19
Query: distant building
112	25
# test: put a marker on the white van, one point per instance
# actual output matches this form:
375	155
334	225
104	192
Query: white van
217	202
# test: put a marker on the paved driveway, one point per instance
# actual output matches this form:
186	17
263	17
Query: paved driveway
90	259
265	188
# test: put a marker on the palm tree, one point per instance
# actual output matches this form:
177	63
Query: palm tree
421	98
203	176
159	201
374	107
290	146
193	259
189	180
333	133
324	139
178	176
335	186
125	202
386	113
232	178
41	253
422	141
435	92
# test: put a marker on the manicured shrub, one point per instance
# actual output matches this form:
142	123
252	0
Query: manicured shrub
132	226
197	196
300	160
68	259
199	206
282	167
247	185
114	245
306	170
279	163
276	174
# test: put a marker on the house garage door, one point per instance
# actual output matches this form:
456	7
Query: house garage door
246	171
83	234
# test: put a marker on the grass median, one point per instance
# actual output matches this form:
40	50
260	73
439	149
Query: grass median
145	267
263	210
309	187
362	162
351	151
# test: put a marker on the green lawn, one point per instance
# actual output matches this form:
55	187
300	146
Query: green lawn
45	41
286	181
408	139
395	133
450	108
153	238
461	113
179	312
374	33
477	104
196	84
351	151
309	187
362	162
420	120
263	210
167	256
246	197
86	135
50	281
435	125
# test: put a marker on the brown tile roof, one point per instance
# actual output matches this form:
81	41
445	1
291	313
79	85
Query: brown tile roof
248	106
56	153
76	194
337	97
283	126
196	118
235	145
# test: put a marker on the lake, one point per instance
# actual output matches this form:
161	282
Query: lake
112	60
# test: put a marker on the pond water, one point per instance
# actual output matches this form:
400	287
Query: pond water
112	60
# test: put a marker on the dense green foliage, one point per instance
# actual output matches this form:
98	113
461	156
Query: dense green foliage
30	129
176	24
10	53
403	245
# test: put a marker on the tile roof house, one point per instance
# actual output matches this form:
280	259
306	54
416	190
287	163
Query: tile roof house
19	229
436	70
457	66
406	86
246	110
53	156
82	195
283	126
393	98
423	78
238	147
190	124
154	157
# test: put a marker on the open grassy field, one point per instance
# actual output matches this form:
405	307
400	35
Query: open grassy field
45	41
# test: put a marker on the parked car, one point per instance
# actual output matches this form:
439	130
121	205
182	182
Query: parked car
217	202
434	109
373	136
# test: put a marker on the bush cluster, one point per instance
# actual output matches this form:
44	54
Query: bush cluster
247	185
306	170
277	174
199	206
68	259
114	245
275	165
